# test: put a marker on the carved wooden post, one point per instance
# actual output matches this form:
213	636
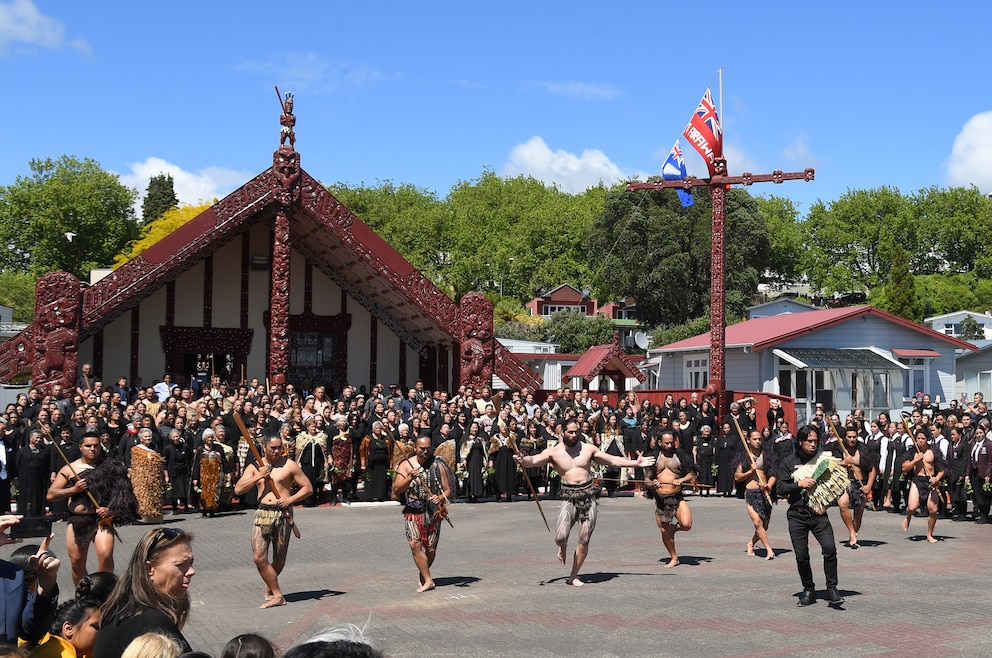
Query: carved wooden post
476	343
718	185
56	318
279	302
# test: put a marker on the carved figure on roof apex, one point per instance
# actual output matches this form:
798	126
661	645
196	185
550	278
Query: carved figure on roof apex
287	120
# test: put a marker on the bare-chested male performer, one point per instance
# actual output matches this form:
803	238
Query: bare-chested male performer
573	460
673	468
106	480
273	518
429	485
926	467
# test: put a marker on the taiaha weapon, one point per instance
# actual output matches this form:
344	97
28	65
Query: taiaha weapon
530	486
761	477
268	479
909	430
106	522
847	455
442	508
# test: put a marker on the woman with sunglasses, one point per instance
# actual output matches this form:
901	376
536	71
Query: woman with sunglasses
151	595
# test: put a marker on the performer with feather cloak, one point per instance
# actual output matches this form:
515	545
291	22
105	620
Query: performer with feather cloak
99	495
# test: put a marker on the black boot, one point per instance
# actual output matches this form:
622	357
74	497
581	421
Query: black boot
808	597
833	596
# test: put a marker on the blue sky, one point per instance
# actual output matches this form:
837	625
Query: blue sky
867	93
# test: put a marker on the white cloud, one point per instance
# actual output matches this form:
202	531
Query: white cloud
970	162
590	91
738	162
569	172
22	23
314	73
799	154
192	188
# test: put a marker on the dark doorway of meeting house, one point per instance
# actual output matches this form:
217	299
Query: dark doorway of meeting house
203	367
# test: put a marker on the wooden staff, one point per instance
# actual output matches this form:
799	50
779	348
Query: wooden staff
530	486
105	522
761	476
912	439
847	455
268	480
442	509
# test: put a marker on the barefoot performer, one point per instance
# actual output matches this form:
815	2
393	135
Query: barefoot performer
673	468
274	476
926	468
573	460
428	483
752	468
858	459
82	482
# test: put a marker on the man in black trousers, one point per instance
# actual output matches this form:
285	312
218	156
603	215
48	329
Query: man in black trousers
803	519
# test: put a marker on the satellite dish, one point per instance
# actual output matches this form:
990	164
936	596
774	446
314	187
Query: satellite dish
641	340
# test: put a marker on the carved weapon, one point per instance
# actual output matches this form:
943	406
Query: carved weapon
268	479
530	487
909	430
107	521
754	464
847	455
442	509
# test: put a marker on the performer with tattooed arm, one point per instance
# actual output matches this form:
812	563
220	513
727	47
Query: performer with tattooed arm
429	486
673	468
573	460
274	478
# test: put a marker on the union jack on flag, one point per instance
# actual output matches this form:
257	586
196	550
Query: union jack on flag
706	114
704	131
674	169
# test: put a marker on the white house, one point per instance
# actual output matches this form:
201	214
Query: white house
846	358
950	323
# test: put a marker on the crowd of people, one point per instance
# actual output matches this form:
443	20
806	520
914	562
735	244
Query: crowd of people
183	450
99	456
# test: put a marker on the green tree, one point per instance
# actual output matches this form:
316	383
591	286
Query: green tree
953	223
785	240
161	227
971	330
674	333
901	297
517	234
69	215
647	246
848	244
17	292
160	197
575	333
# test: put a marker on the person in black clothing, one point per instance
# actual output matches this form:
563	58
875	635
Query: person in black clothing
636	440
725	450
178	465
804	520
34	475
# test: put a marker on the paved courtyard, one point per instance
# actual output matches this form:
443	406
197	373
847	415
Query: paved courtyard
501	592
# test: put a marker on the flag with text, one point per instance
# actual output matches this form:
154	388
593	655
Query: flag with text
704	132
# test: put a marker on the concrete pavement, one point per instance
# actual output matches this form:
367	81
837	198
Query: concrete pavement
501	591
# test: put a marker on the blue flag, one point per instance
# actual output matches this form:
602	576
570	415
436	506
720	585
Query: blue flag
674	169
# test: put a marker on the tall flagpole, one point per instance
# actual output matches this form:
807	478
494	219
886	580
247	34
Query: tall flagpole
720	73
